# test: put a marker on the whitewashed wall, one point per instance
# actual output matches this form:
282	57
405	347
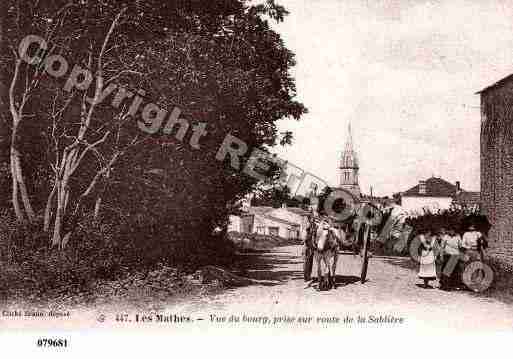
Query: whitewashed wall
235	224
414	205
261	221
283	213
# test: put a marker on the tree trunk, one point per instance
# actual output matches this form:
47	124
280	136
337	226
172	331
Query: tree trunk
3	77
97	207
18	184
14	197
59	213
16	171
56	238
71	160
23	189
66	200
62	197
48	208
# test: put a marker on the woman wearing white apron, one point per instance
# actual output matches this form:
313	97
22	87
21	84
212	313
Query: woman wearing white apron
427	268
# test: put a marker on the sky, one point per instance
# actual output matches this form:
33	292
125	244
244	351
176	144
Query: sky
405	74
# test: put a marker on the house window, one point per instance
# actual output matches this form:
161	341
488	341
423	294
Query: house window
261	230
422	187
274	231
293	234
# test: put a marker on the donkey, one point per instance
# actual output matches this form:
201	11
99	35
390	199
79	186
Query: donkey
326	255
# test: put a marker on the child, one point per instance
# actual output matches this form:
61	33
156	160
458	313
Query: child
427	268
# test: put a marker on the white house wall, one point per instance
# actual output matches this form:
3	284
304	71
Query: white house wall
302	221
261	221
416	205
234	224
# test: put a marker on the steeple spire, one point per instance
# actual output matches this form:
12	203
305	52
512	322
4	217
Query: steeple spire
349	141
349	165
349	158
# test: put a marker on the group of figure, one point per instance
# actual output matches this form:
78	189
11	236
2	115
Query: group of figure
444	254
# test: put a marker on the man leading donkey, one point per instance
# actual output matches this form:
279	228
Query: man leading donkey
322	245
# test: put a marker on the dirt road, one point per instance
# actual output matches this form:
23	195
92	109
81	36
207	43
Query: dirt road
392	292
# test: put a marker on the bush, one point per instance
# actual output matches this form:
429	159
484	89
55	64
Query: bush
255	241
97	251
457	219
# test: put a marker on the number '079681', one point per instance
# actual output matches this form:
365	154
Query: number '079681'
52	343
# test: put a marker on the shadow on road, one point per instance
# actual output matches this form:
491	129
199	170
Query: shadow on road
270	267
343	280
340	281
403	262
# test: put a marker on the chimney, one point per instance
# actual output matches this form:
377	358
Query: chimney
458	187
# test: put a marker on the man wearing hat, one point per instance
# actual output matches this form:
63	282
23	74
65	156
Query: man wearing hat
308	248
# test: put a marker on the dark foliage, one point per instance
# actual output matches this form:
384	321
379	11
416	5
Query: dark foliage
164	201
276	196
102	252
255	241
456	219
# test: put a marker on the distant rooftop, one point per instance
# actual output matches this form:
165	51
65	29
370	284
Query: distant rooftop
499	83
259	210
435	187
298	210
265	210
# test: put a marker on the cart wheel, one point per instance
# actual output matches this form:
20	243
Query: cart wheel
365	255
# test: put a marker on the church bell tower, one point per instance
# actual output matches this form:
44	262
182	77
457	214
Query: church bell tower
349	167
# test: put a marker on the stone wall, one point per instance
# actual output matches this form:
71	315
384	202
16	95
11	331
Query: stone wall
497	168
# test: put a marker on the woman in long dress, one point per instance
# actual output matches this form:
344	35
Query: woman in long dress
427	268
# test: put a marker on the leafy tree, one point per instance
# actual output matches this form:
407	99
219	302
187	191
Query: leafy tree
220	63
274	196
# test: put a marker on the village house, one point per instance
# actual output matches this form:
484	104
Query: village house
436	194
497	165
467	200
285	222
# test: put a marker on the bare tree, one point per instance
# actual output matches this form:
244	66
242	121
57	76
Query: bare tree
17	108
71	157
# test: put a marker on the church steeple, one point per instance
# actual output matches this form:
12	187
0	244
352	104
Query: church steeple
349	141
349	166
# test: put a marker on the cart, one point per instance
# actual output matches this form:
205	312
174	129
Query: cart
365	216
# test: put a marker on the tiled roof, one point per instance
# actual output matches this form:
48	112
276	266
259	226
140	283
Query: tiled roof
297	210
280	220
468	198
260	210
435	187
497	84
265	212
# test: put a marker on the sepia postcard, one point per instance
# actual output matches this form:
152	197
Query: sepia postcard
317	169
